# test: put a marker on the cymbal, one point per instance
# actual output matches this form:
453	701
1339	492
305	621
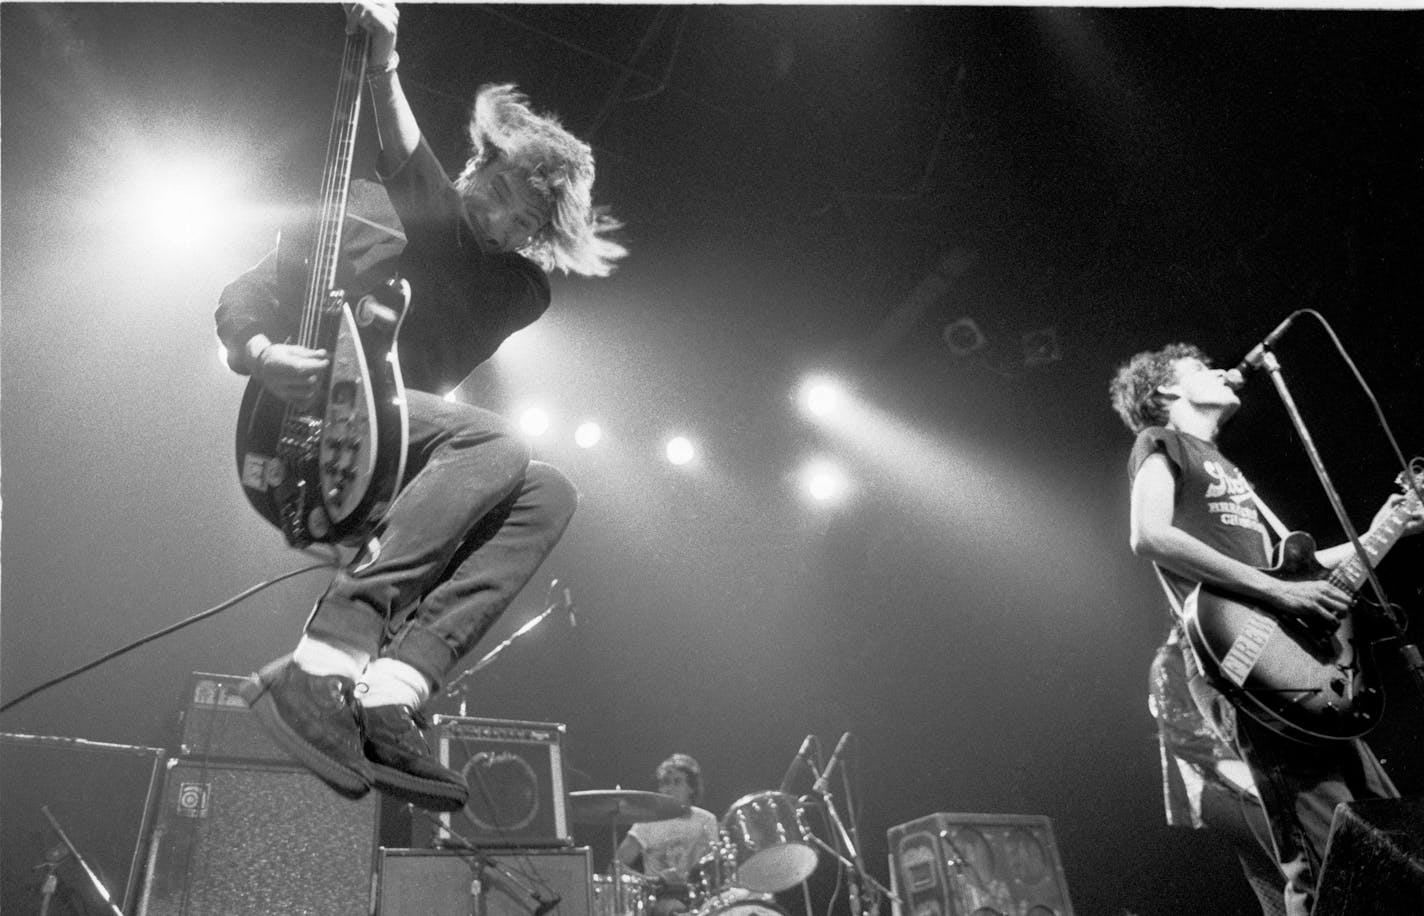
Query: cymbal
623	806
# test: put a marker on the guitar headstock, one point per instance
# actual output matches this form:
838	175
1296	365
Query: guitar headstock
1411	488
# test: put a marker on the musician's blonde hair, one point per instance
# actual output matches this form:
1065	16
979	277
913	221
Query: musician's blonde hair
574	240
1133	391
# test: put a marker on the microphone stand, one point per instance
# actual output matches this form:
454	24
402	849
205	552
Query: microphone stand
51	882
1408	652
493	653
479	861
855	865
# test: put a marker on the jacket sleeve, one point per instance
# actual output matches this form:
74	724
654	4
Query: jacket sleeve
253	304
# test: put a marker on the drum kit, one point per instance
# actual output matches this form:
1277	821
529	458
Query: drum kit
764	847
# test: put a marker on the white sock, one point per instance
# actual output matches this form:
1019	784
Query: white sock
323	658
388	682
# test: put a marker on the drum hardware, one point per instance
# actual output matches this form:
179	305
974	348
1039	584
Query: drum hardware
622	806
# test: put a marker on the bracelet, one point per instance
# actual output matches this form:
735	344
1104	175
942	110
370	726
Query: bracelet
384	69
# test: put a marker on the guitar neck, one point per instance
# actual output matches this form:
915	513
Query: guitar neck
336	184
1351	574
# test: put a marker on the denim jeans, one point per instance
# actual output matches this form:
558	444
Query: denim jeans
1300	786
473	521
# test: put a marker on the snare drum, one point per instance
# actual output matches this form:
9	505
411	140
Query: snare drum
769	842
634	893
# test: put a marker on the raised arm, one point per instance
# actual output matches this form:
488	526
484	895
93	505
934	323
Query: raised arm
395	121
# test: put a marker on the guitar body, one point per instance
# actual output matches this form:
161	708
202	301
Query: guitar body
1303	689
328	473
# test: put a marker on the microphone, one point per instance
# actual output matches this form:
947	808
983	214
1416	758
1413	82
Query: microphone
800	757
1236	378
820	786
546	905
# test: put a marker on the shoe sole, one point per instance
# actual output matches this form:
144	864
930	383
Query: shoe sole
343	779
423	793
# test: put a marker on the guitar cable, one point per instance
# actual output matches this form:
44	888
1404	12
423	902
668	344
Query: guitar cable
329	563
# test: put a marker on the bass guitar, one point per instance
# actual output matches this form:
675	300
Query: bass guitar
1302	687
327	472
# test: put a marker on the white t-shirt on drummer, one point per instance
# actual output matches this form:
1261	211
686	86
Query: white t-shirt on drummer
677	843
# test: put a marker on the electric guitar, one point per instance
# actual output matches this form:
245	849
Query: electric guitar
327	472
1301	687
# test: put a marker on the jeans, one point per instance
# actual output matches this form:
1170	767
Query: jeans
474	519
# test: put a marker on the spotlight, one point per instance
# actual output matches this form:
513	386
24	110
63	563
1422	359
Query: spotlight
1041	347
820	397
679	450
588	434
534	421
963	337
824	481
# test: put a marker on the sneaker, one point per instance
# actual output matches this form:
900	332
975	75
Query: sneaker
401	763
313	718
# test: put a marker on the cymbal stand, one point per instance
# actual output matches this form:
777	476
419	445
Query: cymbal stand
51	882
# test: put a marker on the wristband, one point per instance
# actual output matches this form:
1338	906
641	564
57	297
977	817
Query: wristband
385	69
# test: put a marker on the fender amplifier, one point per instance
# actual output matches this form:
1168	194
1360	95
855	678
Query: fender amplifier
515	771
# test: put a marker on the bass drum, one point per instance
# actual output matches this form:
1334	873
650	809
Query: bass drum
769	842
740	902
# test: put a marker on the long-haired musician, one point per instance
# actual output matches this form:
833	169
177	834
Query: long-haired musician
475	517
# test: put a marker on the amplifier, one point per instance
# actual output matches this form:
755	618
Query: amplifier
246	839
216	723
952	864
515	771
510	882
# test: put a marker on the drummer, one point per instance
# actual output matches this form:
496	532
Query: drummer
670	848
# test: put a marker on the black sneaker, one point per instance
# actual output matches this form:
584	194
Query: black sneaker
401	763
313	718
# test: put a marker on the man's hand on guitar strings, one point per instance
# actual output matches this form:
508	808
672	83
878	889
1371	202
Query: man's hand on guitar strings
1314	604
292	373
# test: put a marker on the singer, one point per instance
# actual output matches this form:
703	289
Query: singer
669	849
475	517
1195	516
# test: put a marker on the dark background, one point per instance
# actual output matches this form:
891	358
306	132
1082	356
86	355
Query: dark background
788	176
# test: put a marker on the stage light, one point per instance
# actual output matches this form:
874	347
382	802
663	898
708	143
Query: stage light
963	337
679	450
588	434
821	396
824	481
534	421
182	203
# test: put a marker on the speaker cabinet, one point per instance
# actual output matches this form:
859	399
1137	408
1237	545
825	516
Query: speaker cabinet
511	882
249	840
217	724
1374	860
101	795
963	864
515	771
